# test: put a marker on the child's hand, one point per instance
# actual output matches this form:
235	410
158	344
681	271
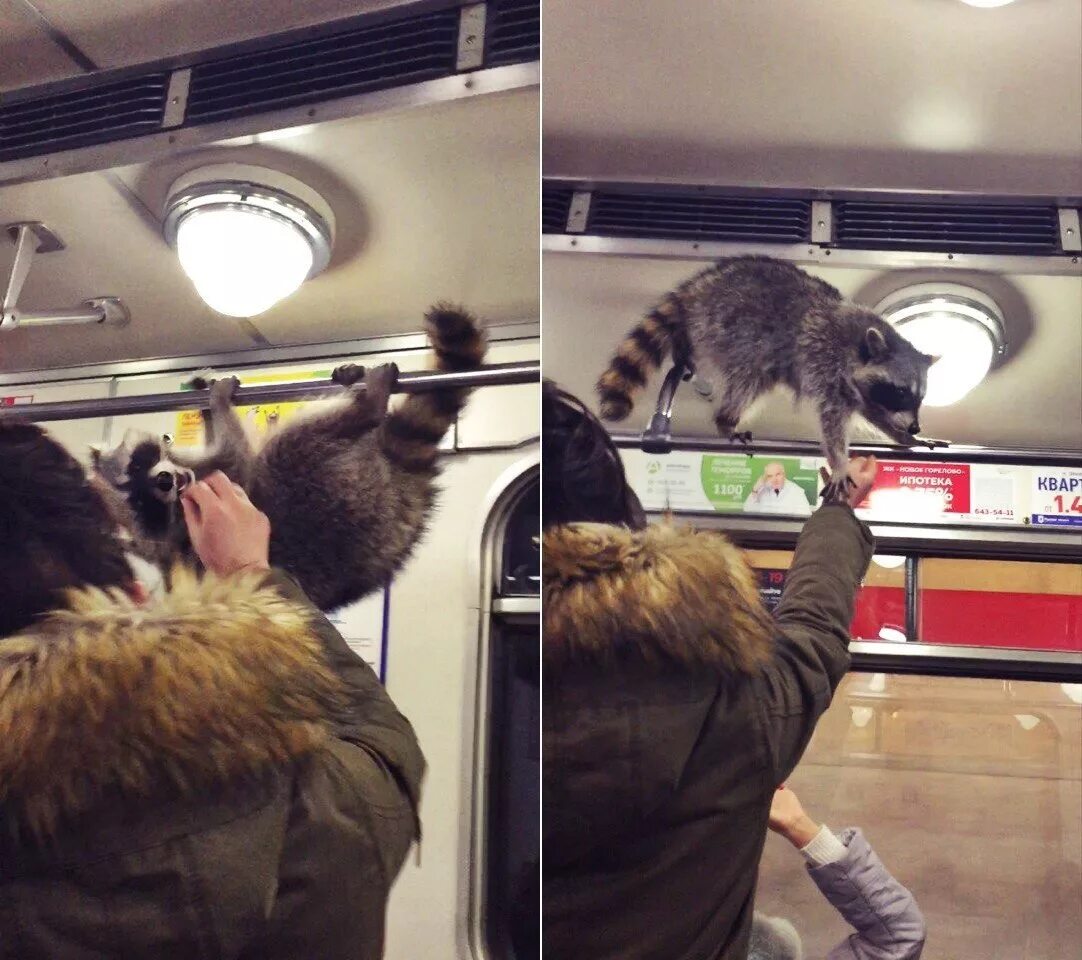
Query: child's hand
228	533
787	818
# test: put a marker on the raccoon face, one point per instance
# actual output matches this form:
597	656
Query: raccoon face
140	466
892	379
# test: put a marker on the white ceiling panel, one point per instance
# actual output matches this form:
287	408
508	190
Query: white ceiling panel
1034	398
27	55
121	33
919	94
436	202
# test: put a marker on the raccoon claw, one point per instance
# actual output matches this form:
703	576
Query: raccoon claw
930	442
224	390
348	374
836	491
742	436
378	383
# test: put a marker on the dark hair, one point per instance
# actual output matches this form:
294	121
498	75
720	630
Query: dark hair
56	529
582	475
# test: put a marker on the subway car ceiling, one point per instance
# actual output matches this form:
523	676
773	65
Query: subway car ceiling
915	101
875	94
432	192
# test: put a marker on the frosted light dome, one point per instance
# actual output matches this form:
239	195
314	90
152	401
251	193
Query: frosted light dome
962	328
988	3
242	261
247	237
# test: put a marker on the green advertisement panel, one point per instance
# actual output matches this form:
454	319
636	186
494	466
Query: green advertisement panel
743	484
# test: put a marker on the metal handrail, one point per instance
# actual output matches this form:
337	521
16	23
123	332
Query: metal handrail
807	448
423	381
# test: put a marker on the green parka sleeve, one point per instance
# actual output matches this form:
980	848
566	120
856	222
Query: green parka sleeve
813	618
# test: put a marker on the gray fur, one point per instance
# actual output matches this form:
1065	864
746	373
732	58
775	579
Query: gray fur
748	324
349	490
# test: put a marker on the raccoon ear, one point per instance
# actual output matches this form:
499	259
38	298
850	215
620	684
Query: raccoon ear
876	348
933	360
95	454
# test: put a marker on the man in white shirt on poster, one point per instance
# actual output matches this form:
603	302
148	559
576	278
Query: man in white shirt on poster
773	493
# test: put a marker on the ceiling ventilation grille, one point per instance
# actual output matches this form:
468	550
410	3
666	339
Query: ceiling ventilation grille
82	117
555	205
514	32
362	60
700	216
943	227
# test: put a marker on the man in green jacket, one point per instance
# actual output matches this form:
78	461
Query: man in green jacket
673	704
211	775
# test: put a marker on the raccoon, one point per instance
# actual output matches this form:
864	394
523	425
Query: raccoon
748	324
349	490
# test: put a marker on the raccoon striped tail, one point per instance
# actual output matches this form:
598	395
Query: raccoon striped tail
411	434
641	352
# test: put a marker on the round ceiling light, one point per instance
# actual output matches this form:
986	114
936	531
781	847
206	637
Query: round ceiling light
247	244
988	3
960	325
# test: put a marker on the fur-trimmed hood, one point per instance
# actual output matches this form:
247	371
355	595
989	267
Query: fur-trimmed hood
665	593
216	681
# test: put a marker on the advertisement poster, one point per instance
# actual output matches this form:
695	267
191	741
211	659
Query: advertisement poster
771	583
363	626
1056	496
997	494
776	485
259	418
908	490
723	483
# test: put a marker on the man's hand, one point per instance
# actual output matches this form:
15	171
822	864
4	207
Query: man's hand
228	533
787	818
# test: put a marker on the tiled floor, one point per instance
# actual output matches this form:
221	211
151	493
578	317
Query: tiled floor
970	792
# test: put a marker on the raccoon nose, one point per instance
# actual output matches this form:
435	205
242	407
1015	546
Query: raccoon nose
164	481
914	428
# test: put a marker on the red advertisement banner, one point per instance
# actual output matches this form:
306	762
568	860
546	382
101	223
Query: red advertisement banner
940	486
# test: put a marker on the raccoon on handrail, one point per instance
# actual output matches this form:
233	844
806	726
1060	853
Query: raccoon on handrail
753	323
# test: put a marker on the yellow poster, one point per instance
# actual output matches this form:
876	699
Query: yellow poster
259	418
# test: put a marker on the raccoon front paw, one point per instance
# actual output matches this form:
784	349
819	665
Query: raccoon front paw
348	374
378	383
836	489
741	436
930	442
382	377
224	390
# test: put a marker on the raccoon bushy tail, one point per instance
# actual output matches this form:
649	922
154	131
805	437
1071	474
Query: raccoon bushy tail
412	433
641	352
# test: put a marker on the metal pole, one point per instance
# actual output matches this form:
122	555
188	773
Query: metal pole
423	381
50	318
807	448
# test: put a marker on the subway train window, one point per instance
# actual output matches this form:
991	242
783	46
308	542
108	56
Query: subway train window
880	608
1001	603
970	792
